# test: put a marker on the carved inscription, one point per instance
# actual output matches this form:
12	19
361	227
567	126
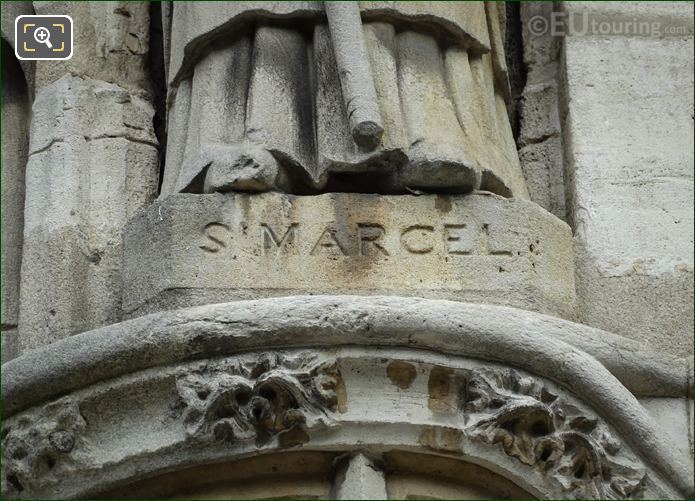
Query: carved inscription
458	238
271	243
418	239
364	239
328	243
370	238
215	234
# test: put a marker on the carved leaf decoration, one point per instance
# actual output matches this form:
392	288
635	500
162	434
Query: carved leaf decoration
38	446
540	430
259	399
583	424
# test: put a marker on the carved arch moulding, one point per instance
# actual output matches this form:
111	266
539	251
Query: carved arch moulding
528	397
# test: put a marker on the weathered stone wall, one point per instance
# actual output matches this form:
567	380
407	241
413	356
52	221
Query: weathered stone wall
627	122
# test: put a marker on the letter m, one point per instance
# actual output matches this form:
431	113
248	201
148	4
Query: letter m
271	244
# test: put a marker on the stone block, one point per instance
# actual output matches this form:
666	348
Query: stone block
540	144
675	415
628	131
539	114
198	249
540	46
543	167
666	15
93	162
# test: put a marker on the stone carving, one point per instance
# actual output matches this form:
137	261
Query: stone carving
385	96
260	398
37	446
541	430
475	247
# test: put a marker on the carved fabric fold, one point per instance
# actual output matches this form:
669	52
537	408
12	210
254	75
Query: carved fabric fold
276	89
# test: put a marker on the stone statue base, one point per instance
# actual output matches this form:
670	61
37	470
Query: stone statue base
201	249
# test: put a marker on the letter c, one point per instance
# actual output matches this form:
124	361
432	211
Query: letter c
417	243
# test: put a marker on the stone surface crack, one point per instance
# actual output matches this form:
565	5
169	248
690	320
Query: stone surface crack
48	146
123	136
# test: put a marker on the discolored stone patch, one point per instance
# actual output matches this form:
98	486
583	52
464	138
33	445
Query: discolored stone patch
443	204
292	438
401	374
341	394
441	439
441	388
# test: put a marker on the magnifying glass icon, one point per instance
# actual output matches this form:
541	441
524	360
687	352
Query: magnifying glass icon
42	35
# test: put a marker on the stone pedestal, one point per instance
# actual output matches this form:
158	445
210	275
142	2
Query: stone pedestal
202	249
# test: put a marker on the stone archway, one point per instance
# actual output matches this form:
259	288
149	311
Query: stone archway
312	475
504	389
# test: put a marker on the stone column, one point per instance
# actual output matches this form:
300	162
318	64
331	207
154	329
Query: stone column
17	79
358	478
15	136
93	162
540	139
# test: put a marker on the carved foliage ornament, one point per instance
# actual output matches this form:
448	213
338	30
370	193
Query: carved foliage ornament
542	430
278	396
37	447
274	395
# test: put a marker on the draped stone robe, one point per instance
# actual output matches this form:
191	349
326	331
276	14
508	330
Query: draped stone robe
255	100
